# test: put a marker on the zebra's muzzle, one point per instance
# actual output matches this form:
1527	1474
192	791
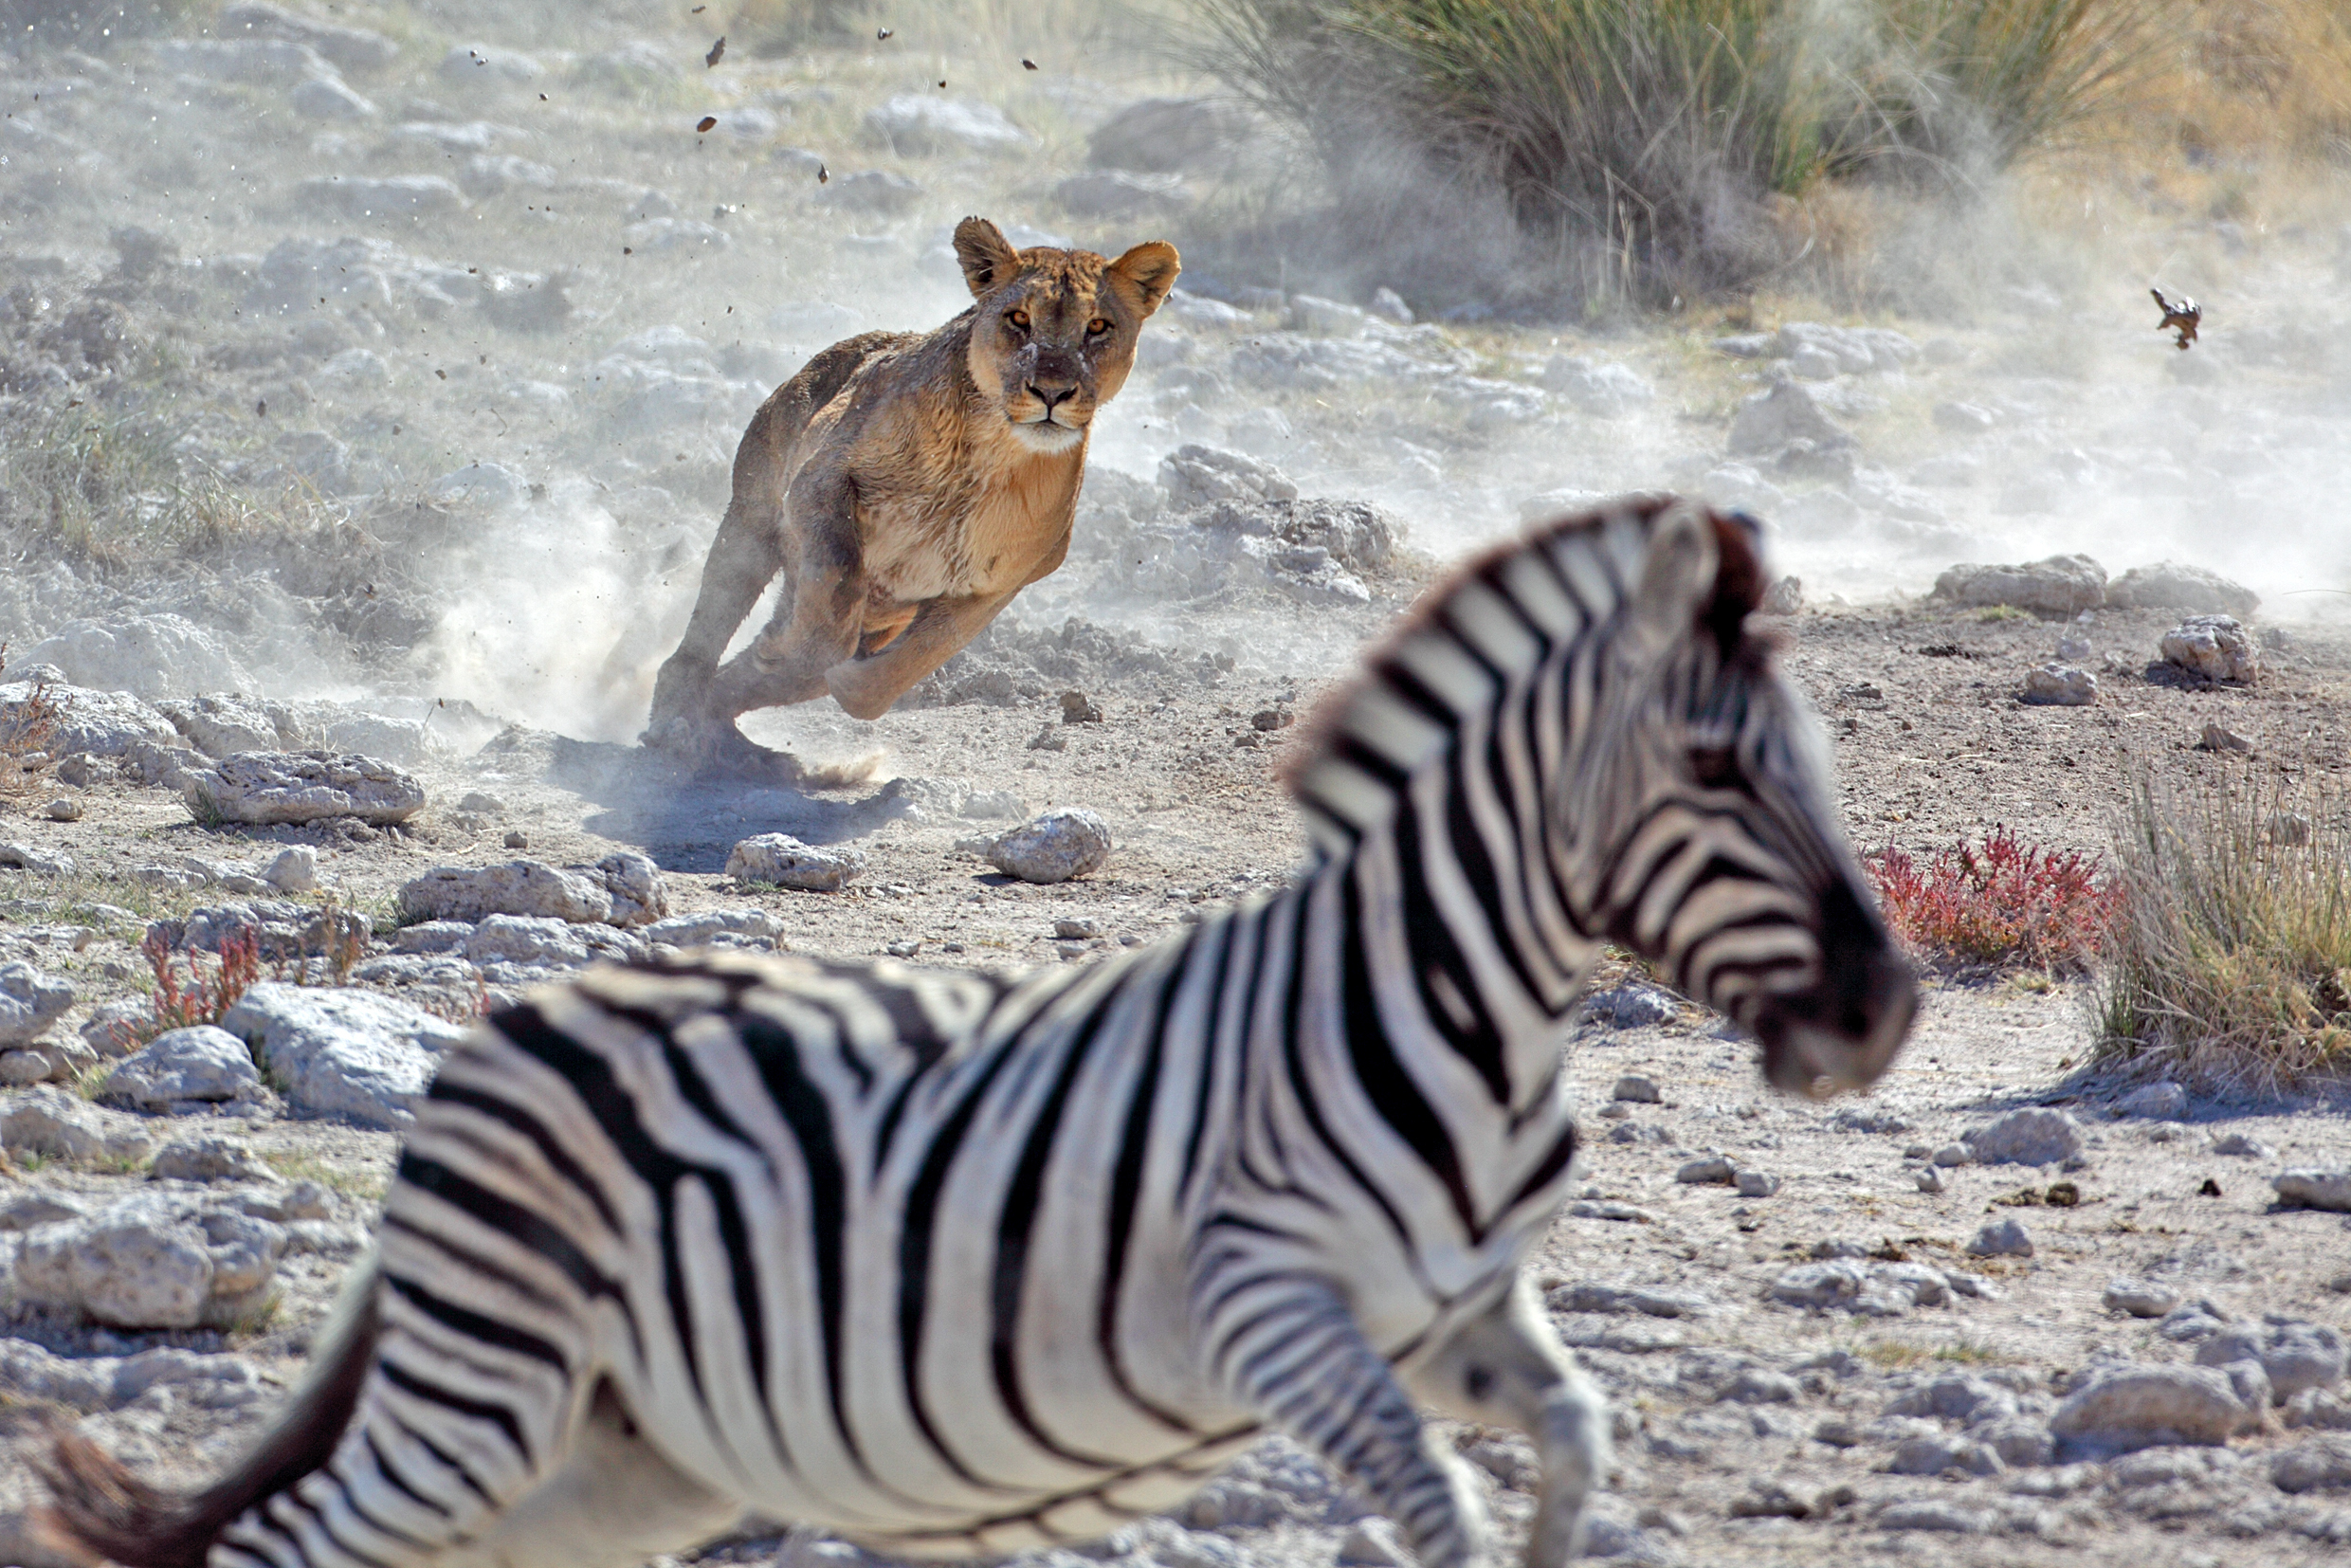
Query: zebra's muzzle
1841	1034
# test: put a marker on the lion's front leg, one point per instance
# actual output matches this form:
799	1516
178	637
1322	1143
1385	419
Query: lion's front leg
866	687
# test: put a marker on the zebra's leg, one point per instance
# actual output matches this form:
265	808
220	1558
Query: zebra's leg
1508	1368
614	1501
1295	1356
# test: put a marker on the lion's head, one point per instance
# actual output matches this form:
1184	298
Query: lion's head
1053	334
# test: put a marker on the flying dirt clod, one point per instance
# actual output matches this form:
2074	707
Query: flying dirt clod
908	485
2181	317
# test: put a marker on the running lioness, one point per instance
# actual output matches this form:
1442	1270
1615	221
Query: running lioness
908	485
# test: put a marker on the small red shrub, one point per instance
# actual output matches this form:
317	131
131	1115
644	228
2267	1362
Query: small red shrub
202	1000
2005	903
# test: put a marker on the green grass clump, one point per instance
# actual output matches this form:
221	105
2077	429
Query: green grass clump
2229	963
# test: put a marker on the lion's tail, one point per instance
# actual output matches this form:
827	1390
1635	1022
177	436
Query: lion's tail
99	1509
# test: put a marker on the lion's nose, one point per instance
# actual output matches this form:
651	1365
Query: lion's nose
1052	393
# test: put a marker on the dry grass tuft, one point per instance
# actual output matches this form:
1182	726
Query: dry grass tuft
2005	903
27	740
2230	962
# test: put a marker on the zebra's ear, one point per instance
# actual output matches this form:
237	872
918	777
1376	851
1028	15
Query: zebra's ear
1678	579
1739	583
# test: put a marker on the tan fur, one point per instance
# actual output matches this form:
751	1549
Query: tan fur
907	485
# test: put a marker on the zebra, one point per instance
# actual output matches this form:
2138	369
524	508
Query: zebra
960	1263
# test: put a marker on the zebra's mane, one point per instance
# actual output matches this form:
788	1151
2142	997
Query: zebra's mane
1484	602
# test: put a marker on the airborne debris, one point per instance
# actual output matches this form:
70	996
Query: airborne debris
2181	317
1027	64
718	52
883	34
707	122
261	407
942	82
823	174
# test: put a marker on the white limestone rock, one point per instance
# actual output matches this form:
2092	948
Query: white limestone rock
340	1051
296	787
1068	841
201	1063
783	861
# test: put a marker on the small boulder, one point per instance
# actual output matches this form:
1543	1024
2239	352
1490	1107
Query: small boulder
2061	585
2135	1406
1756	1183
57	1125
1768	421
2032	1136
339	1052
2325	1462
1706	1170
2214	647
2160	1101
295	787
201	1063
2311	1188
293	869
1194	475
2006	1238
516	887
30	1002
1068	841
2060	686
2139	1298
2168	585
211	1159
783	861
1638	1088
133	1266
2293	1355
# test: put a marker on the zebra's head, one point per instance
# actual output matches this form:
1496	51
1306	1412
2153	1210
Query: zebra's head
1704	830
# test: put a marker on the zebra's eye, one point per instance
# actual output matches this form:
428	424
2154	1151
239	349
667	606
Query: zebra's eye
1714	765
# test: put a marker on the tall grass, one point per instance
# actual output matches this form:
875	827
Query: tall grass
2230	962
1641	145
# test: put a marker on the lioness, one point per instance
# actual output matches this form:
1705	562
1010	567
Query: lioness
908	485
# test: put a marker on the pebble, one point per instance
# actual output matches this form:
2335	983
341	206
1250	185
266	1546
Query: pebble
2140	1298
1077	930
2006	1238
1706	1169
1755	1183
63	809
210	1158
1952	1155
1931	1179
31	1001
2164	1101
1068	841
2241	1143
293	869
1637	1087
785	862
516	839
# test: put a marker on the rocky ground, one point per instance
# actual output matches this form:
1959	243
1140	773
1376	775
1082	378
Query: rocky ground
328	652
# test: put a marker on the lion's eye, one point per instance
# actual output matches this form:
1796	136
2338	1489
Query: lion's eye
1096	327
1018	319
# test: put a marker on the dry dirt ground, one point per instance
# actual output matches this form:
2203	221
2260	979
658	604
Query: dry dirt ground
1737	1391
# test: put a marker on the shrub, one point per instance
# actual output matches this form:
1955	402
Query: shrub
27	740
201	1000
2007	903
2230	962
1640	145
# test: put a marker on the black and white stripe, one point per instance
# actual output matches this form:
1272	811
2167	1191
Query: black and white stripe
956	1263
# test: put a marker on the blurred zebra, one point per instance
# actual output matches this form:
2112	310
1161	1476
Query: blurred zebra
956	1263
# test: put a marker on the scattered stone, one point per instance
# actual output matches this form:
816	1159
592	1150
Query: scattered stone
2162	1102
1596	388
2219	737
2293	1355
1930	1180
1755	1183
2168	585
270	787
1705	1170
2242	1144
1077	930
210	1158
1591	1296
341	1051
30	1002
2060	686
1078	708
97	723
143	655
1631	1006
1784	597
516	839
1195	476
785	862
149	1261
2134	1407
1939	1454
2214	647
1952	1155
1067	842
2312	1188
2311	1407
621	889
2032	1136
293	869
2006	1238
1760	1386
63	809
1934	1514
2312	1466
200	1062
716	928
57	1125
278	930
1768	421
1870	1290
1638	1088
2140	1298
2061	585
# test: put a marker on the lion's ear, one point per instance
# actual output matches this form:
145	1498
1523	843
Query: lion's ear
989	258
1151	267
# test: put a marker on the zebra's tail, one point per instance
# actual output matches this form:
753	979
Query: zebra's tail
99	1509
